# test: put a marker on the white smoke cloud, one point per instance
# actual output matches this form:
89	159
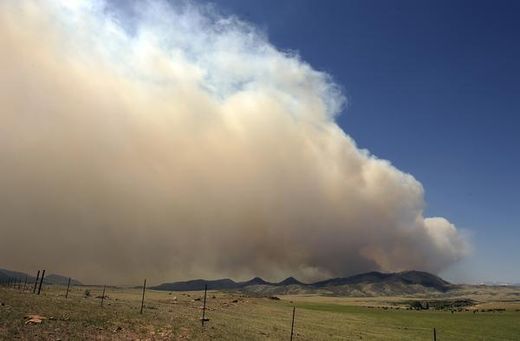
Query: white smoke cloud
175	143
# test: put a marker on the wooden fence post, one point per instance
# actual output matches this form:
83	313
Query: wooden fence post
68	286
204	305
142	299
103	295
434	334
292	323
41	282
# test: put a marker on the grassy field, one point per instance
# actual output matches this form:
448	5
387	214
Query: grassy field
237	317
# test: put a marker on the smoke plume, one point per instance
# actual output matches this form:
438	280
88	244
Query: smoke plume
168	141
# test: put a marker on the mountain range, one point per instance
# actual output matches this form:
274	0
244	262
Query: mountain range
48	279
366	284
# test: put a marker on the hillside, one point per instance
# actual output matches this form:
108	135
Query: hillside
198	284
49	279
367	284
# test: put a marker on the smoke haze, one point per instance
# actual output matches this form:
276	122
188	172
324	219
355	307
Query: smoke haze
171	142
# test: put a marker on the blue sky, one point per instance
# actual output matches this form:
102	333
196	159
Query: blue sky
433	87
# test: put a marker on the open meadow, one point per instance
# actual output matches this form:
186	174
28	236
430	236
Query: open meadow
234	316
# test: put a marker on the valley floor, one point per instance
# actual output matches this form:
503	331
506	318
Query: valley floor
233	316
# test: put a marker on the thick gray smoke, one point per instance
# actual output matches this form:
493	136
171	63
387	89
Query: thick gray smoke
176	143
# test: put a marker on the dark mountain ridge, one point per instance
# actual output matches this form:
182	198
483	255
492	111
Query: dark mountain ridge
407	277
6	275
254	281
289	281
363	284
198	284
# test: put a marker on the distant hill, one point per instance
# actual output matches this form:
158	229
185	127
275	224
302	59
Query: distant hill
59	279
254	281
49	279
289	281
20	276
405	278
367	284
198	284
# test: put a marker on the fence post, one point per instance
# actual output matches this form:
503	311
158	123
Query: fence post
36	281
434	334
204	305
103	295
24	283
142	299
41	282
68	286
292	323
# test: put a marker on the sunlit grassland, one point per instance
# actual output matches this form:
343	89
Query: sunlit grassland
235	317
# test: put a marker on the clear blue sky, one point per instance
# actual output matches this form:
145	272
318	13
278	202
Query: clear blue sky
433	86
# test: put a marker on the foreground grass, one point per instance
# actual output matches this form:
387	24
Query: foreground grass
381	324
232	317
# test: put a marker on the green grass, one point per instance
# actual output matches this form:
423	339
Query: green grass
402	324
80	318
